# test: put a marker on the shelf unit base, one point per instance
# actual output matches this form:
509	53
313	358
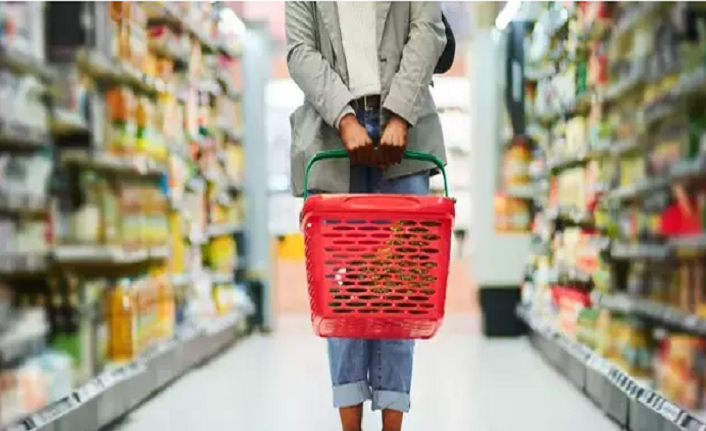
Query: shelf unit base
498	306
627	401
111	396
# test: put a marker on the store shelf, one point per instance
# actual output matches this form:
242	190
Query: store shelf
231	134
640	251
527	192
167	50
631	19
624	86
562	163
22	204
569	276
15	135
222	277
629	145
627	400
23	62
682	246
684	172
65	123
140	166
89	95
195	277
170	15
16	343
196	184
107	254
221	229
119	72
569	217
24	264
181	279
118	391
665	315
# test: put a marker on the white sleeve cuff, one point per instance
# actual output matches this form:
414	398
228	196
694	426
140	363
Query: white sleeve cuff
347	110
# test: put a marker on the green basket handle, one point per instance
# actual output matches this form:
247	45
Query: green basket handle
342	154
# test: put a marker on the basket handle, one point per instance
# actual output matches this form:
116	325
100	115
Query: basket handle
341	154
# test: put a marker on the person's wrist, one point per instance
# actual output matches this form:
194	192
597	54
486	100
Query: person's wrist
346	121
398	121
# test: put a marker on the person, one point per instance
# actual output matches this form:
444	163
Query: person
365	69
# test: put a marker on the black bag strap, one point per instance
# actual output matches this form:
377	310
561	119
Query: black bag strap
446	60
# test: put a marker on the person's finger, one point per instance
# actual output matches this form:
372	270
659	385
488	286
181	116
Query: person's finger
354	156
403	147
389	153
396	156
371	151
360	153
363	154
372	156
381	151
393	150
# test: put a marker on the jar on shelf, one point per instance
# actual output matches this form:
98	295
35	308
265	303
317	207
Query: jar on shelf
516	163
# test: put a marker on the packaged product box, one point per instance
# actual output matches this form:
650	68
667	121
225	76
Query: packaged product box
516	164
59	373
134	12
569	302
166	308
635	349
607	329
123	321
680	370
10	406
586	332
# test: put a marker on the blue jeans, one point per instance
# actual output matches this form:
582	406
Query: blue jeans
377	370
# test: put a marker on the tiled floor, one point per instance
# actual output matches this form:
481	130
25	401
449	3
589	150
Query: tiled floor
461	382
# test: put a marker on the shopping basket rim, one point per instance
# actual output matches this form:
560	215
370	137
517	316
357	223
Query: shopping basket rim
336	206
440	202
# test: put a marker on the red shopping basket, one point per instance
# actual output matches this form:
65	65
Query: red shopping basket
377	265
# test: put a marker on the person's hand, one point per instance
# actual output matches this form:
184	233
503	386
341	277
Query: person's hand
393	142
357	142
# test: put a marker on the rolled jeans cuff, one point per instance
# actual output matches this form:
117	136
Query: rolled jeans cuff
389	400
351	394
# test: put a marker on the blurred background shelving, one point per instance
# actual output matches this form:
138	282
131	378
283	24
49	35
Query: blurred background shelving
612	137
122	220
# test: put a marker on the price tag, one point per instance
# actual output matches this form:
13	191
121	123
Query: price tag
108	379
646	397
617	377
635	390
52	412
654	310
691	322
602	366
625	383
90	389
669	411
593	361
655	403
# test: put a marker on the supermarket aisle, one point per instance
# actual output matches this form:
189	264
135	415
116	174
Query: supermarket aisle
462	382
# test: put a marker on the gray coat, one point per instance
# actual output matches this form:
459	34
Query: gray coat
410	37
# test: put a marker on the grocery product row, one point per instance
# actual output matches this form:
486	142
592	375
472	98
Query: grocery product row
105	398
624	398
608	177
121	198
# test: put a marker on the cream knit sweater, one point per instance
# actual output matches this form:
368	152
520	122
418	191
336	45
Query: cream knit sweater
357	22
